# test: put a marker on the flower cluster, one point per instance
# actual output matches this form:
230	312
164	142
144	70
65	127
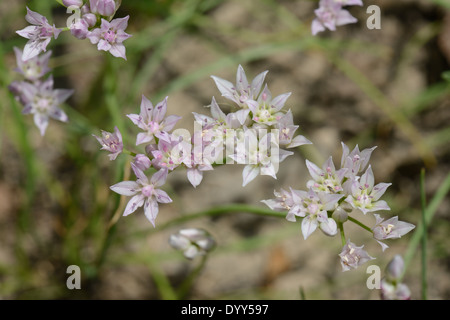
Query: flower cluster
334	193
251	135
90	19
331	14
36	93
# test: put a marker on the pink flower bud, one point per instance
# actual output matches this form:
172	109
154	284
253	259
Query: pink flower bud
76	3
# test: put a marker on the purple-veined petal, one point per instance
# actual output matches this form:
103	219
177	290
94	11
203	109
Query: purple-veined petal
35	18
134	203
159	177
118	50
151	210
139	174
279	101
170	122
27	32
58	114
162	196
241	79
143	137
379	190
367	179
160	110
126	188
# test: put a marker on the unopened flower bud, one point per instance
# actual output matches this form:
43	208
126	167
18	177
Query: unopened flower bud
394	269
90	18
76	3
142	162
340	215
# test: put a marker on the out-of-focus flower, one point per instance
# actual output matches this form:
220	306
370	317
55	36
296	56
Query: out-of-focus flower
43	102
144	192
390	229
391	286
110	35
192	242
111	142
330	15
152	120
32	69
365	196
352	256
39	34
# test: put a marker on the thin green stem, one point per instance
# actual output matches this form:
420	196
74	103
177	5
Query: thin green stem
341	231
437	199
424	235
183	289
359	223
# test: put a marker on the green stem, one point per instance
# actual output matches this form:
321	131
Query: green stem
424	235
189	280
362	225
341	230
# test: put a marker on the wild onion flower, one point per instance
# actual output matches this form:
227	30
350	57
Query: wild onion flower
32	69
355	161
352	256
327	179
43	102
152	120
111	142
266	110
110	35
390	229
39	34
192	242
365	196
144	192
329	15
313	207
243	91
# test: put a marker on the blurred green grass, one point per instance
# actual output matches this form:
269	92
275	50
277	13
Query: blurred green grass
72	184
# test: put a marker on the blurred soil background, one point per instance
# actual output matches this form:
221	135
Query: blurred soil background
379	88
